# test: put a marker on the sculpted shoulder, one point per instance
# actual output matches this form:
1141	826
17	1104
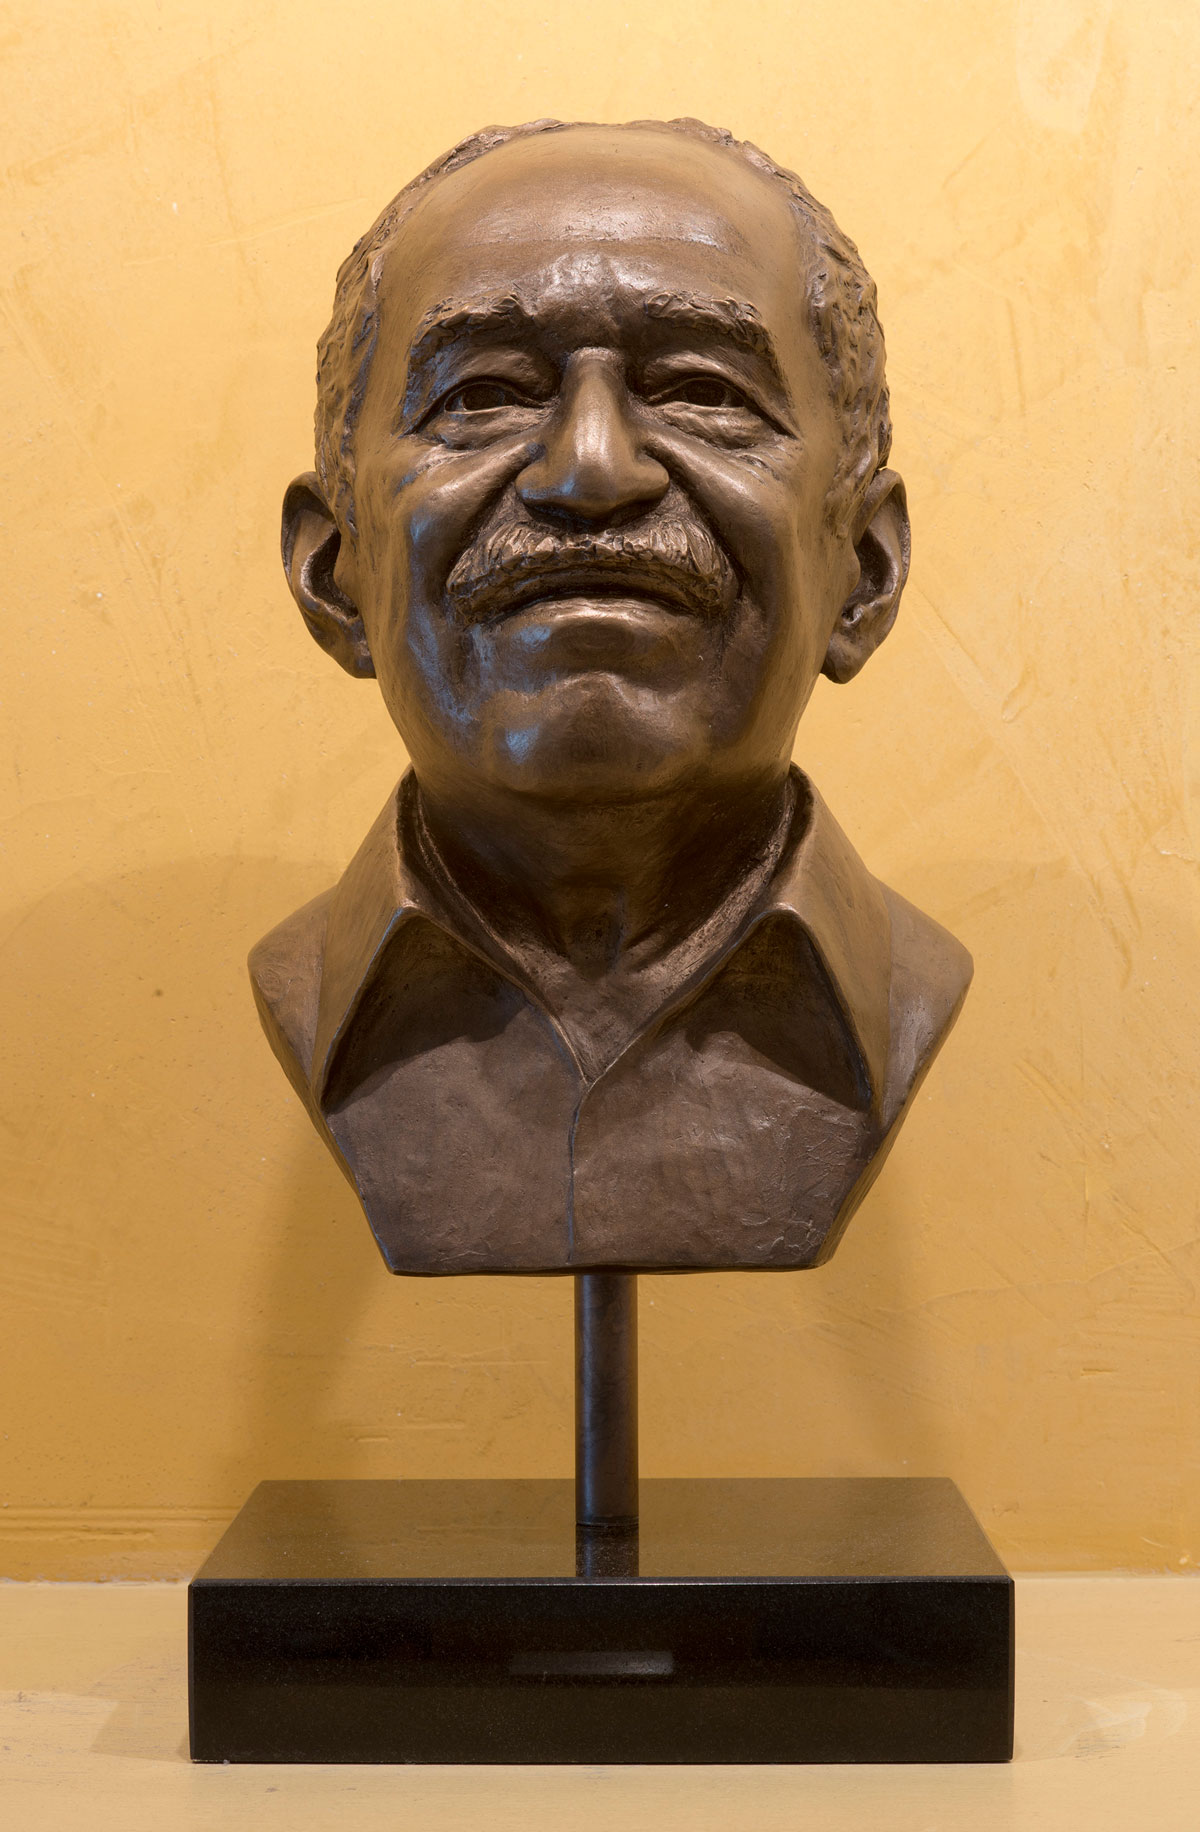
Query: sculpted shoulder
931	973
285	971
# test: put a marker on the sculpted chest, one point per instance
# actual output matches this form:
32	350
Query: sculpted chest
741	1127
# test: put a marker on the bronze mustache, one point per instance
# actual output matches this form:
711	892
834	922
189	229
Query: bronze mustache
678	563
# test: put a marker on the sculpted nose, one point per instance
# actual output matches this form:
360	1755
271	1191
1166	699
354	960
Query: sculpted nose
592	467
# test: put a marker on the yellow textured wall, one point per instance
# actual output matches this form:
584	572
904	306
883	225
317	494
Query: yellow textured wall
189	1299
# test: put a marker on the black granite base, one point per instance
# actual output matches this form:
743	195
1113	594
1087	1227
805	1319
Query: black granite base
807	1620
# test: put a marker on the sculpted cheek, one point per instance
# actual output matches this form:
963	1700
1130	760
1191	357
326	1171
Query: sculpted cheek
426	660
444	497
749	501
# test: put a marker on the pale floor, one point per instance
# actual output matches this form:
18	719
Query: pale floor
93	1724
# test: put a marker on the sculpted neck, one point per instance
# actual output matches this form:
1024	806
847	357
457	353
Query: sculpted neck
608	884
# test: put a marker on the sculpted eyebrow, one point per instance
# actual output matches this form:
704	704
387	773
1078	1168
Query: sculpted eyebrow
450	323
446	323
696	311
731	319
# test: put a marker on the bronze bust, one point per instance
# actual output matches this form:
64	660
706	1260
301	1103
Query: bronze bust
601	488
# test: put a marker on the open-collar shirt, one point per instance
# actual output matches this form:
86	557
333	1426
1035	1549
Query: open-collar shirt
739	1127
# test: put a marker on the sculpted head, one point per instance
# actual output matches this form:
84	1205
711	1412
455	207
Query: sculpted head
601	442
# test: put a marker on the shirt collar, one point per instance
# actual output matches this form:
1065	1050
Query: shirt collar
823	883
820	881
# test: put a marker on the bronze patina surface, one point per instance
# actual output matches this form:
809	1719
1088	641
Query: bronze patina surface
601	488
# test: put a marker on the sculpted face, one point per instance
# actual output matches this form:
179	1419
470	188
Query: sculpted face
592	556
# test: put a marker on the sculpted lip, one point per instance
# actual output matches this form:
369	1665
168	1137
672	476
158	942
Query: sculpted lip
579	633
571	582
673	565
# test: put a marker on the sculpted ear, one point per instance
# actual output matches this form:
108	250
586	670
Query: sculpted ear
310	542
882	544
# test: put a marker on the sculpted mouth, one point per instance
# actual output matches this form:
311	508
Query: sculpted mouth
660	584
673	566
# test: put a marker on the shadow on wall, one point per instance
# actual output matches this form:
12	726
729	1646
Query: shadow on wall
153	1157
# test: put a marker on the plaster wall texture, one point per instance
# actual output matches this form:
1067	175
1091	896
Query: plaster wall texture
189	1299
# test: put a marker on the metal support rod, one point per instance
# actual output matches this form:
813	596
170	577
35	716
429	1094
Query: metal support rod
606	1418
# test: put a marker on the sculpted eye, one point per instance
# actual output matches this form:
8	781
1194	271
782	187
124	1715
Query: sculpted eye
482	397
704	391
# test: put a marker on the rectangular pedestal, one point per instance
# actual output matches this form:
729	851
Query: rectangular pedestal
759	1620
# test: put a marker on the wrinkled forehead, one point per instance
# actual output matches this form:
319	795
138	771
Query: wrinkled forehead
591	213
